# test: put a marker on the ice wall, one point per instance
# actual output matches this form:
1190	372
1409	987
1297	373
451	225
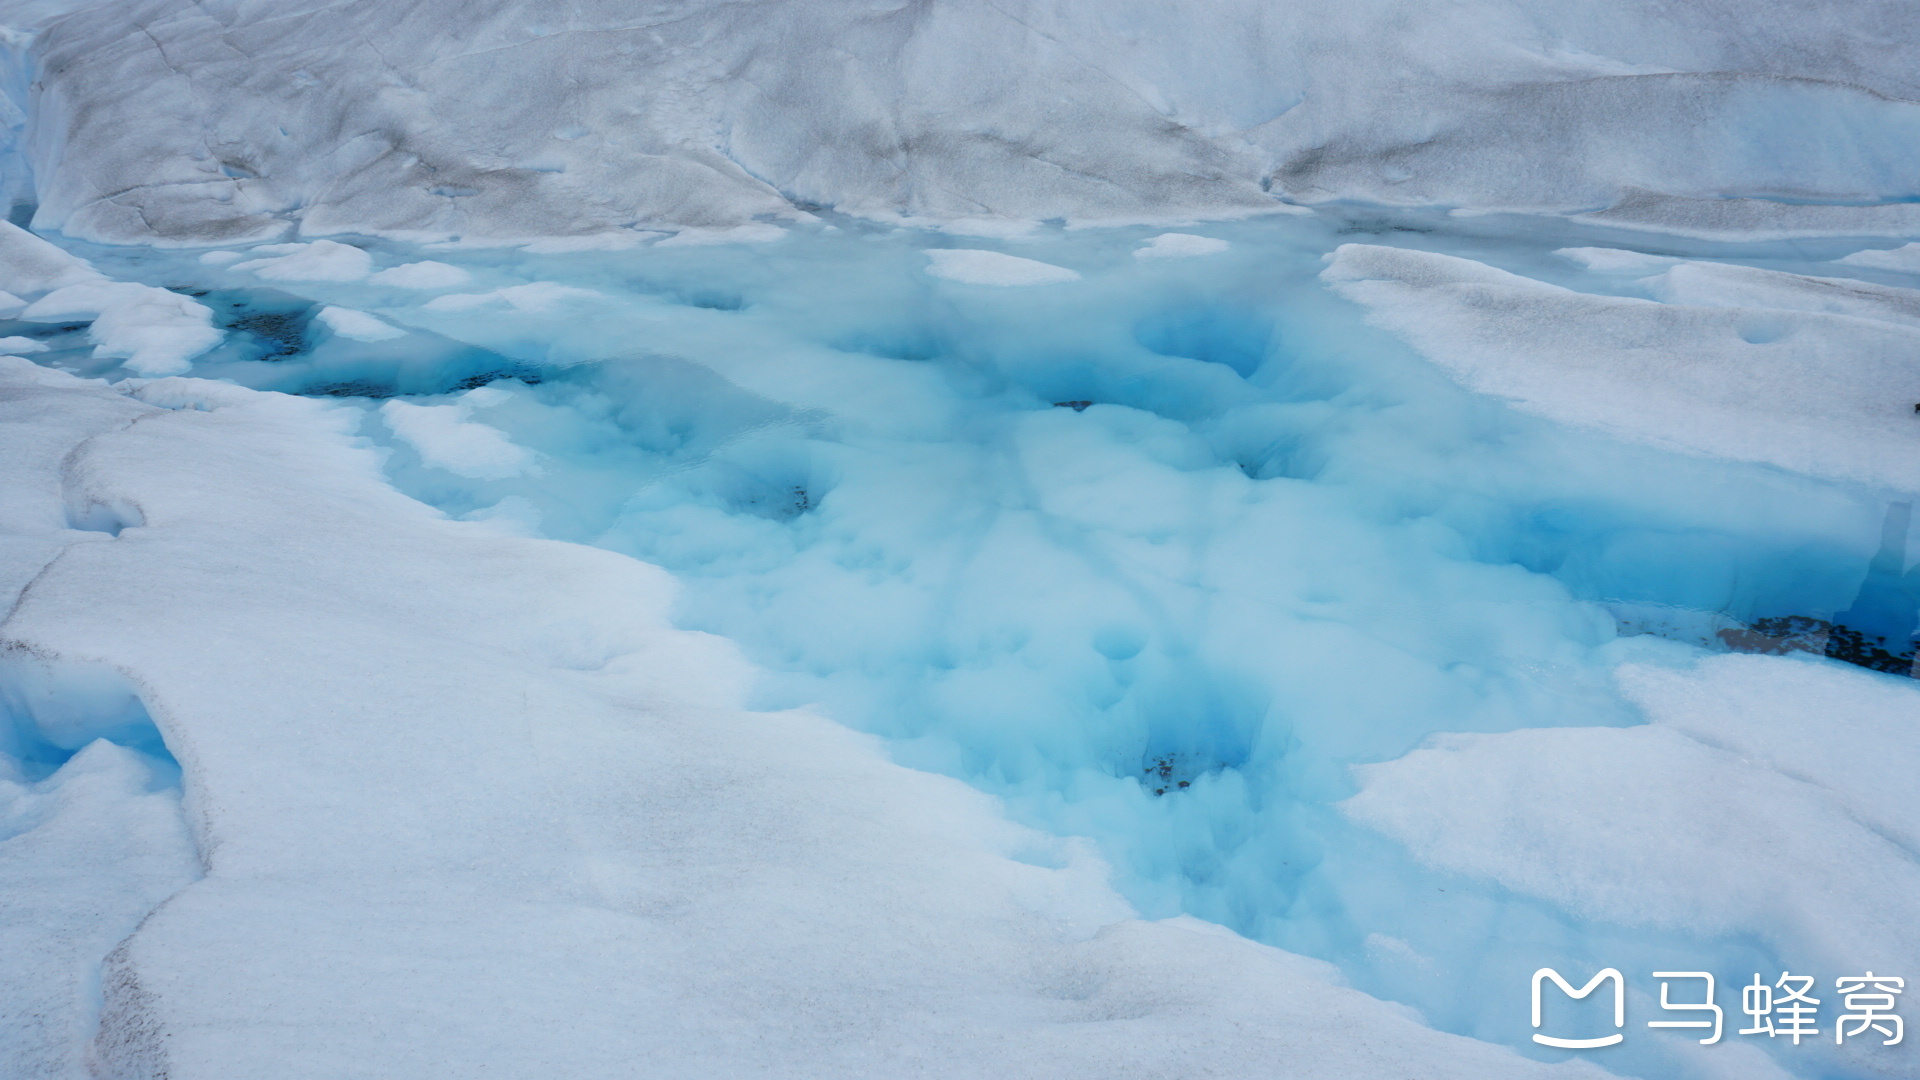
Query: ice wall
195	123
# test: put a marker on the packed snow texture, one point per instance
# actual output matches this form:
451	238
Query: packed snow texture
175	121
1808	373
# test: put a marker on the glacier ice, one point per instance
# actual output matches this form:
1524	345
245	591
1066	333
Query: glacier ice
169	121
1188	556
731	535
424	847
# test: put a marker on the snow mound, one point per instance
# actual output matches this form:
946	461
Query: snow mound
356	325
975	267
154	331
30	265
1768	797
446	439
426	274
1905	258
322	260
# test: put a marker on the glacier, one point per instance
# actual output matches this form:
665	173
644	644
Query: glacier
950	538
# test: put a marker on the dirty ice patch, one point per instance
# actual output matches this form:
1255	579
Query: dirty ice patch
426	274
356	325
446	439
322	260
152	331
973	267
1175	245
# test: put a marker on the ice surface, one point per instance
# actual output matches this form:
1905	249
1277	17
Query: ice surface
1904	258
357	325
322	260
510	120
426	274
1728	815
479	807
153	331
1784	385
994	268
446	439
1179	246
1153	556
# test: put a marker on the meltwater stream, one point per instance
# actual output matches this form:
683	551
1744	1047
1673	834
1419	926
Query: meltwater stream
1156	554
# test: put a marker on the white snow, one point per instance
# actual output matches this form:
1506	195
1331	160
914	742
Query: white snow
30	266
537	122
1817	393
21	346
1768	798
446	439
1904	258
468	803
154	331
1707	284
1179	246
357	325
221	258
322	260
426	274
975	267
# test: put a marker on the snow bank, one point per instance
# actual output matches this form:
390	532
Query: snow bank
467	802
1815	392
1768	798
1905	258
30	265
157	121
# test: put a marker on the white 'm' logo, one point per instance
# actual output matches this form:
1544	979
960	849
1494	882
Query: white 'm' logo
1619	1007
